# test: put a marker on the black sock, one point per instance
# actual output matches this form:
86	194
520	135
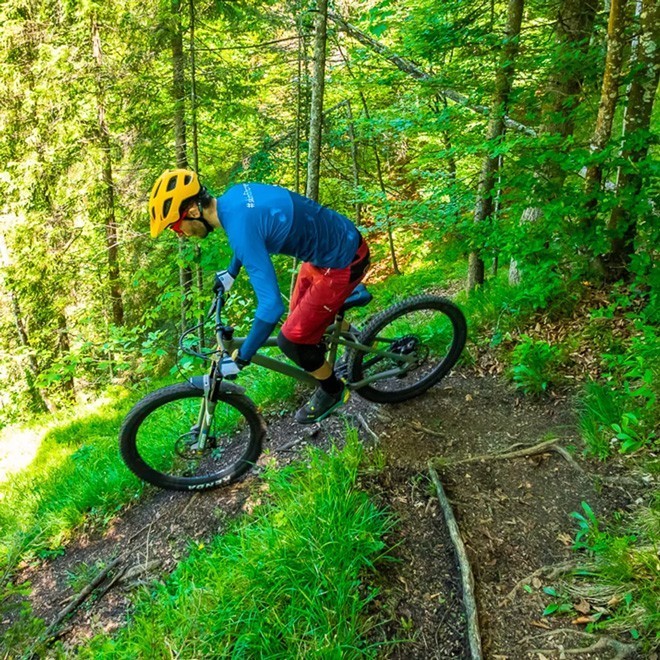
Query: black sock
331	385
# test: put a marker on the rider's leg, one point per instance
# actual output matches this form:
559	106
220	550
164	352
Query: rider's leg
314	310
311	358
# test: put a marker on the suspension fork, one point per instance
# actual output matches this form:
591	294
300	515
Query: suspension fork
206	412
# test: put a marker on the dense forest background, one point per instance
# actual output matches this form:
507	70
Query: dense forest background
502	152
520	134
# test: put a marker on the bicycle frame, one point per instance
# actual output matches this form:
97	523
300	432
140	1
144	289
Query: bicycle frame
340	333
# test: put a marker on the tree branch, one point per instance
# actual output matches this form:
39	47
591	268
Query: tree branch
413	70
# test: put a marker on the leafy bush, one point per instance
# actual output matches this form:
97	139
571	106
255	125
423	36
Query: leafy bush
621	410
535	365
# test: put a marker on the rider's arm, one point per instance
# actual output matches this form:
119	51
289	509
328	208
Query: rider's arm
270	308
234	266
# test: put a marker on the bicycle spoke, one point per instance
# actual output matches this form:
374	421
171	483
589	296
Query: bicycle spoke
414	342
168	440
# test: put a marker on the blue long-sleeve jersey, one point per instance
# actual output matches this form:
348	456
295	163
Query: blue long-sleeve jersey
261	220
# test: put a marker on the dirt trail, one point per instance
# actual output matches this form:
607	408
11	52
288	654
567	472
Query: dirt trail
513	514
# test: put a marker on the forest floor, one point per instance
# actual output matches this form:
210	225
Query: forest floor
513	514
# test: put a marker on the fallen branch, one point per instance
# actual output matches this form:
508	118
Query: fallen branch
107	587
602	642
139	569
550	572
53	632
363	423
467	579
568	458
288	445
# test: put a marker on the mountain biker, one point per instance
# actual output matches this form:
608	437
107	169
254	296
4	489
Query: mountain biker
260	220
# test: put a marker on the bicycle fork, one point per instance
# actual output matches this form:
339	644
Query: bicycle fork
205	417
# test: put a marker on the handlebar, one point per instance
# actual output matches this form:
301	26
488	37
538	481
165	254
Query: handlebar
221	331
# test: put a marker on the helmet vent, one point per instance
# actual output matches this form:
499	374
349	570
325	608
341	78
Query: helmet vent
187	179
166	207
153	212
155	193
171	184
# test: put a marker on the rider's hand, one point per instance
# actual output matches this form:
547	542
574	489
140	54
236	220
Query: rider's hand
228	368
222	282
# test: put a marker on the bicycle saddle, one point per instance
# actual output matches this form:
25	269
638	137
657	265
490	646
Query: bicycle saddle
359	298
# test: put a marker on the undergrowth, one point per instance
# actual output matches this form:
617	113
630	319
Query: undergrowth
286	581
77	479
616	587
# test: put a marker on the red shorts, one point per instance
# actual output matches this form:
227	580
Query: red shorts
318	296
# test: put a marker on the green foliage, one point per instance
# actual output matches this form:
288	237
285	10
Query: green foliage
621	560
535	365
285	581
621	411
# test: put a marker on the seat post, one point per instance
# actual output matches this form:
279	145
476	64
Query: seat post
334	337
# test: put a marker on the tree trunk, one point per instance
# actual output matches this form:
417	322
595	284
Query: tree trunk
608	101
178	88
31	367
379	172
446	139
622	224
108	184
503	84
316	111
199	276
64	347
180	145
575	20
302	49
354	161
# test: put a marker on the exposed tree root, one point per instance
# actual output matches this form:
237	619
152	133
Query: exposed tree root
541	448
550	572
601	643
416	426
467	580
53	630
363	423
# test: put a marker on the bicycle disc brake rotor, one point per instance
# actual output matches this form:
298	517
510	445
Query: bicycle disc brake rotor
186	446
411	344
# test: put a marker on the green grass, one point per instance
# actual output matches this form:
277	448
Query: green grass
284	582
77	476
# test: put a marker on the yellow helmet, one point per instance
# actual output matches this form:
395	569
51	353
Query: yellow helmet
170	192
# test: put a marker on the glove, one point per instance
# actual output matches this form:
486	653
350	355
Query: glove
228	368
222	282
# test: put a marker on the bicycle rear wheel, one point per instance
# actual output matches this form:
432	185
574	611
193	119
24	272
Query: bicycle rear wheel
428	332
159	439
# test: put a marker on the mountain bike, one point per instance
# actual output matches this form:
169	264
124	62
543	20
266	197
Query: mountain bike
207	432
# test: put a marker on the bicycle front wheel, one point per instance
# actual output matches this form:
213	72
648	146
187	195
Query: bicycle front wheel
159	439
416	342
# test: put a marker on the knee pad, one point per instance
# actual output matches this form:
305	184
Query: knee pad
307	356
